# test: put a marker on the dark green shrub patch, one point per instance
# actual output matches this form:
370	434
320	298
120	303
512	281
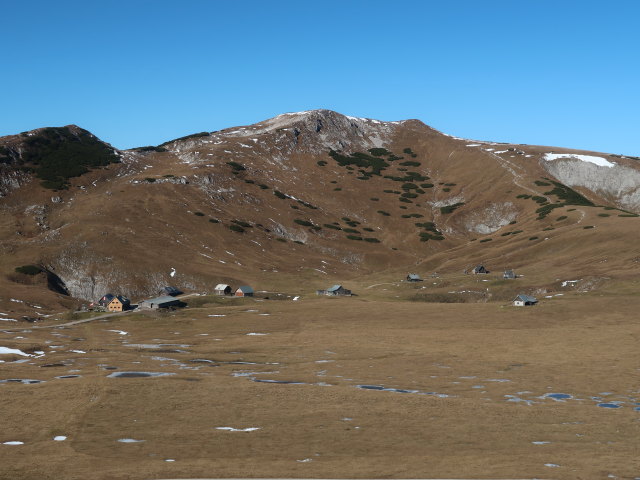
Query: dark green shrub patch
214	220
450	208
367	229
236	228
242	223
334	227
523	195
28	269
198	214
374	199
562	217
263	187
279	194
486	240
57	154
304	223
588	226
321	163
382	212
371	240
533	238
540	183
354	237
568	195
379	152
236	166
410	163
604	215
350	230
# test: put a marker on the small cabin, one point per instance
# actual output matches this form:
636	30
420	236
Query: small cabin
480	270
159	302
414	277
244	291
523	300
170	291
335	291
222	289
509	274
118	304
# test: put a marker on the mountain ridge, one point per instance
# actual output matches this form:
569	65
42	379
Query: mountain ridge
315	195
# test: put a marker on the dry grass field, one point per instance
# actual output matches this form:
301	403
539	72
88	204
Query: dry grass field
450	391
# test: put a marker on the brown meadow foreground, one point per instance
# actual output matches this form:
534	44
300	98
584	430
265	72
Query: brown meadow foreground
345	387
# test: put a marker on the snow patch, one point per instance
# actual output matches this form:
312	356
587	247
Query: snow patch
601	162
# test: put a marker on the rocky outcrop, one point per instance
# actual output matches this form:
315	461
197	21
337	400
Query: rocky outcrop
491	218
619	183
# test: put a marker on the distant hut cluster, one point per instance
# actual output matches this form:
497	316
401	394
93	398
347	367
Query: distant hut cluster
223	289
335	291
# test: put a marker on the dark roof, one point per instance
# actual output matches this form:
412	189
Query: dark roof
245	289
123	300
108	297
334	288
526	298
171	290
414	276
162	299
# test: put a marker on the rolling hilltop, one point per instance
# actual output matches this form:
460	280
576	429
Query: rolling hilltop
300	201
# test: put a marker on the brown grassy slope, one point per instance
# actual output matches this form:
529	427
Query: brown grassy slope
124	227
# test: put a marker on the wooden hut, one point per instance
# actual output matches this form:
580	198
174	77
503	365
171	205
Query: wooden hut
523	300
413	277
118	304
244	291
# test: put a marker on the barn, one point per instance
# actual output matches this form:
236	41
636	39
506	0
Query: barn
159	302
244	291
222	289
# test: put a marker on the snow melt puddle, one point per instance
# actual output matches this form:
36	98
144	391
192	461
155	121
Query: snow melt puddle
59	438
24	381
558	397
601	162
69	376
138	374
401	390
610	405
231	429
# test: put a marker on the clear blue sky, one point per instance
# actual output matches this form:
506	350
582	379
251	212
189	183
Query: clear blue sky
137	72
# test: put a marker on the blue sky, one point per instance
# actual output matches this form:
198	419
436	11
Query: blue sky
137	72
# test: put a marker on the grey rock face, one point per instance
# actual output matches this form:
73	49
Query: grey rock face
620	183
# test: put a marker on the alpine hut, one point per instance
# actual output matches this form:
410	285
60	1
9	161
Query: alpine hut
244	291
509	274
222	289
335	291
118	304
523	300
480	270
171	291
413	277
